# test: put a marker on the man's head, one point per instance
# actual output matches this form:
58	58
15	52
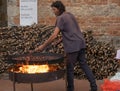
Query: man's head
58	8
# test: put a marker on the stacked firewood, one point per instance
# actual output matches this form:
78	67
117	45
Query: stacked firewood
100	58
18	40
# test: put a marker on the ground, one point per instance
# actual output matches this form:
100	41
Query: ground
57	85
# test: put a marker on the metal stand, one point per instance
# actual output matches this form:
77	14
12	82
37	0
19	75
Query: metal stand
13	81
31	86
14	87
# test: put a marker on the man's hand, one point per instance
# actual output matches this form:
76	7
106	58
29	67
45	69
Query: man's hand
47	42
31	51
40	48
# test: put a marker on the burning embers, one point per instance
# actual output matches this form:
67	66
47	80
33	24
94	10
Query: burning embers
35	68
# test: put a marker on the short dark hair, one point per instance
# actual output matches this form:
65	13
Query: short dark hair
59	5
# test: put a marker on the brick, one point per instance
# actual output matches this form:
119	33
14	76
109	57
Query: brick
115	1
47	20
96	2
99	19
114	19
82	20
113	30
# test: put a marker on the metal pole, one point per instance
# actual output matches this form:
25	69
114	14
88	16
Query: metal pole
31	86
13	80
13	86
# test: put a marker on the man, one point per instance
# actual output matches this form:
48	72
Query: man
73	42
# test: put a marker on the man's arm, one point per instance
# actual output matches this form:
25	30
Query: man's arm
50	39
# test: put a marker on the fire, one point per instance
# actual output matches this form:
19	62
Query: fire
34	68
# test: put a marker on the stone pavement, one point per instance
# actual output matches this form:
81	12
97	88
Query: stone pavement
58	85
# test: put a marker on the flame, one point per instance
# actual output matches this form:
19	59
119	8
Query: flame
34	68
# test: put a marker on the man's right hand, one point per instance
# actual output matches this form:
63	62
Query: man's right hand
40	48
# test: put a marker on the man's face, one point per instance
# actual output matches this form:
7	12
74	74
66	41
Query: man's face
55	11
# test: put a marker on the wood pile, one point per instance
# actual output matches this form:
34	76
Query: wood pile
18	40
100	58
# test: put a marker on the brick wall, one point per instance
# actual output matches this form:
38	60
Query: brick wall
101	16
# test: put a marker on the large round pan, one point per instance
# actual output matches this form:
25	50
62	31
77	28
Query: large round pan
36	77
37	58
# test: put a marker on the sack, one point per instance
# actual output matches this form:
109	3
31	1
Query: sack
110	85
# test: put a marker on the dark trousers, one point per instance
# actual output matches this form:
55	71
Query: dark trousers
71	60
